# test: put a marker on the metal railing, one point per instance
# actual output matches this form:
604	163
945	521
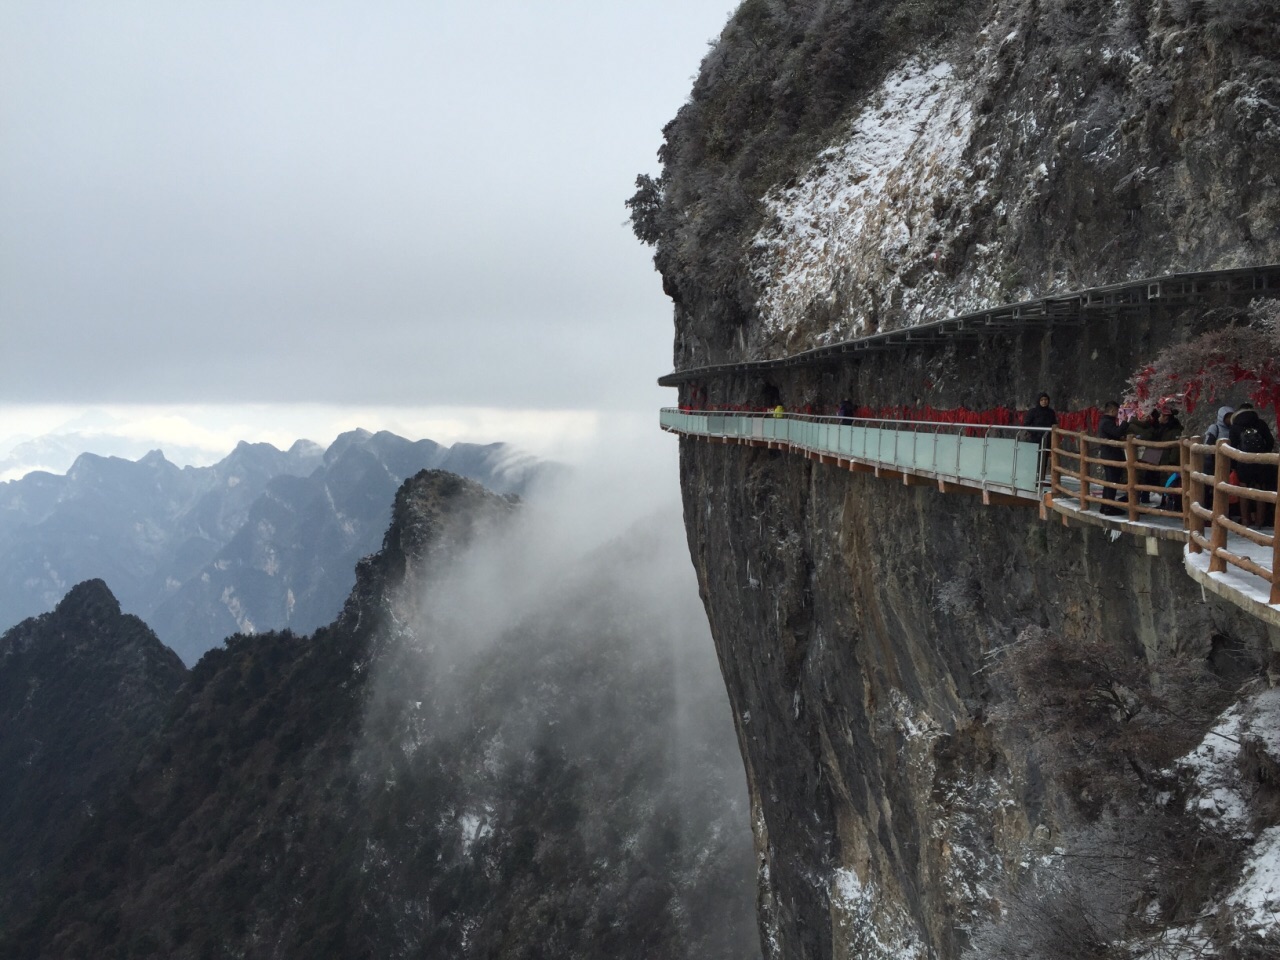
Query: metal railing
1004	459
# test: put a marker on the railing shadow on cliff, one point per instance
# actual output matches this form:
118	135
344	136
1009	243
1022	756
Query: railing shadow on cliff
1069	308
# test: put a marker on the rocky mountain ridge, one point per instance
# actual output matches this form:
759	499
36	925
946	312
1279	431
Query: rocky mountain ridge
264	539
550	773
82	690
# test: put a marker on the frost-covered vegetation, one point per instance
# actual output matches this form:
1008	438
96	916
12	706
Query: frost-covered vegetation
1237	352
1169	843
848	165
773	92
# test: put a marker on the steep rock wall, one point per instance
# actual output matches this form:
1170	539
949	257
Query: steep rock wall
925	158
913	161
855	621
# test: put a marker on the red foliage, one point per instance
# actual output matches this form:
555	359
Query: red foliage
1206	367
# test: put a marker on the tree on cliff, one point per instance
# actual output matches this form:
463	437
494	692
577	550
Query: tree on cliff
1244	353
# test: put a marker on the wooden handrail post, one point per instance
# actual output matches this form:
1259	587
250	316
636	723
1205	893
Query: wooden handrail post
1184	480
1275	547
1131	478
1055	467
1221	507
1193	494
1082	444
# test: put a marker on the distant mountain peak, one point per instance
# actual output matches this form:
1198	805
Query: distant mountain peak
91	596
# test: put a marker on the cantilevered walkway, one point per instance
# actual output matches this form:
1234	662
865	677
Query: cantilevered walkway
987	459
1058	471
1003	464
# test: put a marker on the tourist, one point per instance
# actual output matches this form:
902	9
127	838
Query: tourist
1250	434
1170	429
1043	417
1220	429
1109	429
1147	429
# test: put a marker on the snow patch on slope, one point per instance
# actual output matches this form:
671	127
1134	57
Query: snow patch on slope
861	924
869	202
1255	902
1218	796
1223	801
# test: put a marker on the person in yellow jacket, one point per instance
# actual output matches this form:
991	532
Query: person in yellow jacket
779	412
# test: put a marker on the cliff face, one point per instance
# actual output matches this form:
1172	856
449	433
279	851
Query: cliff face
861	626
856	165
945	709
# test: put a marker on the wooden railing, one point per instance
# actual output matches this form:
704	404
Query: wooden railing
1220	523
1071	459
1136	476
1013	459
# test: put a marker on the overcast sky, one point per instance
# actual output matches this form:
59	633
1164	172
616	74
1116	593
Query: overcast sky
348	205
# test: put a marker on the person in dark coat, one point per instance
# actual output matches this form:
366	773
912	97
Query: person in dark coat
1170	429
845	410
1109	429
1042	416
1250	434
1218	430
1143	429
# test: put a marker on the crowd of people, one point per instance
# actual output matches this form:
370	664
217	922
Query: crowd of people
1242	427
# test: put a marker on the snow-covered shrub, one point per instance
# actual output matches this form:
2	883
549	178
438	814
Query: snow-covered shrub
1105	721
1243	353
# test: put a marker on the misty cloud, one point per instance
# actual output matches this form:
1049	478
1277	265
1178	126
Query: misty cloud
548	705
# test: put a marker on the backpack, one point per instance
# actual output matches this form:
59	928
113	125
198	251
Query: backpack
1253	440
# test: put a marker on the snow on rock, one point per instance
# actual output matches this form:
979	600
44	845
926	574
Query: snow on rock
1255	902
474	827
1218	796
864	927
1175	943
866	207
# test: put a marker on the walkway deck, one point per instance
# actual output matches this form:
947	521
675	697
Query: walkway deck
1000	463
987	459
1240	587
